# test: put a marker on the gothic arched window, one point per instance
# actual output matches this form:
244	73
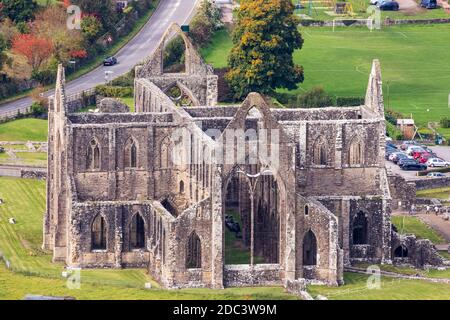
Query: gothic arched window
320	153
131	154
93	155
309	249
99	233
355	154
360	229
137	232
193	252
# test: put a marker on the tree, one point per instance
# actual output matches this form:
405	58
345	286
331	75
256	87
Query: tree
91	28
3	56
314	98
17	10
36	50
105	10
50	24
265	38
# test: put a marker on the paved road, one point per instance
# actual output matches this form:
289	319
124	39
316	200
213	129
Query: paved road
136	50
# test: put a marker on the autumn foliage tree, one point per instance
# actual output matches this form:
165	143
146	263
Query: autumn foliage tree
265	37
35	50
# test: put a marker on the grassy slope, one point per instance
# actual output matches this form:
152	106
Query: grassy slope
413	61
407	225
35	274
440	193
391	289
24	130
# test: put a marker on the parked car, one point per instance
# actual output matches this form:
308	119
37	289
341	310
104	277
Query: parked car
374	2
391	145
406	144
436	162
428	4
424	158
389	6
389	152
402	161
399	157
110	61
394	155
417	154
414	166
435	174
2	149
411	149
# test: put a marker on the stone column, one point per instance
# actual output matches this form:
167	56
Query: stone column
217	261
346	229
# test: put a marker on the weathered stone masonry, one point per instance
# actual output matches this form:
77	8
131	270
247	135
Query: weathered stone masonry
118	197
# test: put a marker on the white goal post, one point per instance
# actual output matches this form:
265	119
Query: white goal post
369	22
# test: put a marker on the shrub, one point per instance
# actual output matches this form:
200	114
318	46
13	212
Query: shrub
445	122
174	54
349	101
125	80
37	109
114	92
314	98
393	132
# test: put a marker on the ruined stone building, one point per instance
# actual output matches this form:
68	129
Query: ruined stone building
152	188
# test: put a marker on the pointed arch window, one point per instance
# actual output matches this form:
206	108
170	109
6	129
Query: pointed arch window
320	153
93	155
99	233
193	252
309	249
131	154
137	232
360	228
355	155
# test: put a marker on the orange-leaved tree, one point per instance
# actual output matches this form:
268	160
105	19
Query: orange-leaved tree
35	50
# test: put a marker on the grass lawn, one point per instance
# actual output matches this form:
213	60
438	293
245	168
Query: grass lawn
27	129
416	77
129	101
412	225
26	158
439	193
355	288
33	273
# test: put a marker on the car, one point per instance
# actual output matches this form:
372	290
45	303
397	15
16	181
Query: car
373	2
437	162
435	174
409	151
424	158
428	4
389	152
391	145
394	155
418	154
399	157
2	149
402	161
110	61
413	166
389	6
406	144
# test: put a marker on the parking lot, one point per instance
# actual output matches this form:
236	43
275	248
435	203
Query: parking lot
442	152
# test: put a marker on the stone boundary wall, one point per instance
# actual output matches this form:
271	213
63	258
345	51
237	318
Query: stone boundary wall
244	275
23	172
432	183
400	276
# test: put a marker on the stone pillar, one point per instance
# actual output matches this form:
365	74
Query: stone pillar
217	261
112	164
345	220
211	90
338	155
118	237
386	233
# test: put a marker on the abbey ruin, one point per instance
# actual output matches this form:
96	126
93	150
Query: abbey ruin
163	187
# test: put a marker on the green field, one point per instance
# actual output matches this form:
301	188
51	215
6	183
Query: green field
416	75
412	225
439	193
33	272
24	130
391	289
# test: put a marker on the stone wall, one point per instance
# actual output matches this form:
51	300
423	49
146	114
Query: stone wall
432	183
